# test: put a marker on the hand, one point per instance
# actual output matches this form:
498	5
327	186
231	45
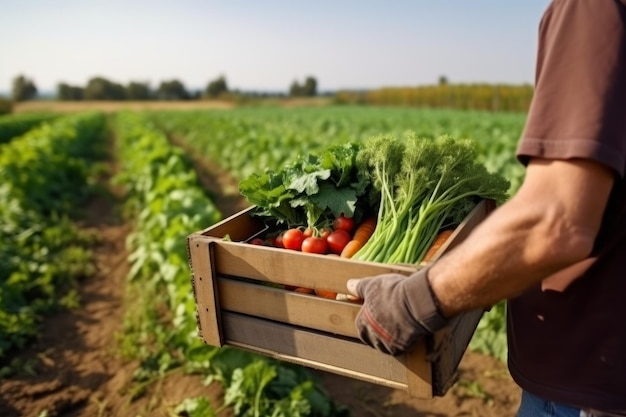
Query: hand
397	310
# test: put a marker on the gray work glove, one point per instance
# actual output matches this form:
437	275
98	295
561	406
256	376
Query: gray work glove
397	310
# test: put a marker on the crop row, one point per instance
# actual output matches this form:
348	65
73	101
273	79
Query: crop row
246	141
44	174
167	203
12	126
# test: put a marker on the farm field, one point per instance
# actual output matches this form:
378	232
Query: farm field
127	345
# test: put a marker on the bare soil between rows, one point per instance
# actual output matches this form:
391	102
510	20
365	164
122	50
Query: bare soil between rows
78	372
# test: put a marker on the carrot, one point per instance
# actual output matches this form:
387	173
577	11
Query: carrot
361	235
326	294
437	243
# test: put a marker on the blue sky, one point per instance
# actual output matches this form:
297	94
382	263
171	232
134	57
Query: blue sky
265	45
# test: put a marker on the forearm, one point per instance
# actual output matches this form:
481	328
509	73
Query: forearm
537	233
498	261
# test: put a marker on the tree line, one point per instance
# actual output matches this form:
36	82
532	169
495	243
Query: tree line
100	88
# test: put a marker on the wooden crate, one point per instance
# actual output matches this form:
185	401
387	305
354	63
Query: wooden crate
309	330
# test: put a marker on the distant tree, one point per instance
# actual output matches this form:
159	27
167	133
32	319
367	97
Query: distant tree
6	105
443	80
138	91
23	89
216	87
100	88
308	89
172	90
66	92
295	89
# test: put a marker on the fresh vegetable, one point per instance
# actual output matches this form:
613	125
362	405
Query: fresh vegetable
293	238
344	223
437	243
423	185
338	240
279	240
326	294
314	244
362	234
312	191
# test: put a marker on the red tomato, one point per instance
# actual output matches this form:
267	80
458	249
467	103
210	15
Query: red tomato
292	239
337	240
344	223
257	241
314	245
278	241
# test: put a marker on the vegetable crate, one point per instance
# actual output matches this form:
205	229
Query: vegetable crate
238	305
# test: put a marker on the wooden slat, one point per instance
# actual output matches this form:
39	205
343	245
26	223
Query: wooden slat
419	373
339	355
449	346
204	283
295	268
310	311
239	227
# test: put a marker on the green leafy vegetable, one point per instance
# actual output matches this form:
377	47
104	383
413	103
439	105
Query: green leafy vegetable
422	185
312	190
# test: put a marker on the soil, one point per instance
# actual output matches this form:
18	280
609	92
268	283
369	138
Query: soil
77	372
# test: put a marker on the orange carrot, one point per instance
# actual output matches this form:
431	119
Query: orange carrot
362	234
326	294
437	243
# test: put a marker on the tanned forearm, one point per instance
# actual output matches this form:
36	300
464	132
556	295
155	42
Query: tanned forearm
548	225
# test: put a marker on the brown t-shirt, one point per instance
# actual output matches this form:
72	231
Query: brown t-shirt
570	346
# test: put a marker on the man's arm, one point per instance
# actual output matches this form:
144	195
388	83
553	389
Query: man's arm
550	223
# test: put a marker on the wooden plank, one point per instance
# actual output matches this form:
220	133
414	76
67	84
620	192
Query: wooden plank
240	227
310	311
207	305
295	268
344	356
449	346
419	372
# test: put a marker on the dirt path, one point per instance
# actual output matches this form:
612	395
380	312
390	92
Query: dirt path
221	186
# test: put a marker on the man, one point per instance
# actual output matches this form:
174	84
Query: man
557	249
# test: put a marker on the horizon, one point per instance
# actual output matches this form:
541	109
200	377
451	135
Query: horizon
265	47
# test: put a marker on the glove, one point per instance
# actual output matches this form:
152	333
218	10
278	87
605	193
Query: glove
397	311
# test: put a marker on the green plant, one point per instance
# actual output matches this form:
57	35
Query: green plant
44	175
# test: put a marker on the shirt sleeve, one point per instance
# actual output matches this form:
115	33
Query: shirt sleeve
579	104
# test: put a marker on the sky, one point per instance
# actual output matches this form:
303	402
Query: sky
265	45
